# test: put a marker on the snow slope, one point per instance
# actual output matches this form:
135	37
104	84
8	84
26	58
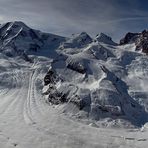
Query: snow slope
95	72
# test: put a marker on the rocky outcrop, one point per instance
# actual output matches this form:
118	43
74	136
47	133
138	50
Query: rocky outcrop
78	67
140	40
129	37
50	77
56	96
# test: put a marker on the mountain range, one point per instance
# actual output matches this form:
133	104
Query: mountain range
92	80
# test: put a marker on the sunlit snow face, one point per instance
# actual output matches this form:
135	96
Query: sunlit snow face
65	17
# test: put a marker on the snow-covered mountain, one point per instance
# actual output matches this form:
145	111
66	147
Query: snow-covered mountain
89	79
56	90
16	38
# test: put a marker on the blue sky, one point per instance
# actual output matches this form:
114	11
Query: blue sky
64	17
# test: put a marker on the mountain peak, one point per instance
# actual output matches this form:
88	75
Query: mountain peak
77	41
104	38
15	24
17	38
83	36
19	23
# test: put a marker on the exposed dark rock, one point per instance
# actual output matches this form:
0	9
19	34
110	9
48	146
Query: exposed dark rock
78	68
49	78
75	66
140	40
56	97
128	38
78	102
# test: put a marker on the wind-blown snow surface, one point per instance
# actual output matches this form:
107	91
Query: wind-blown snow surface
27	121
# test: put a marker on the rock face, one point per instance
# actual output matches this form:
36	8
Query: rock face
129	37
49	78
59	96
140	40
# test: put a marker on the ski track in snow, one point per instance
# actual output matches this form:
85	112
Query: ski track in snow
26	121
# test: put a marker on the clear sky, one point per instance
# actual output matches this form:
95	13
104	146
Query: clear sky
64	17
